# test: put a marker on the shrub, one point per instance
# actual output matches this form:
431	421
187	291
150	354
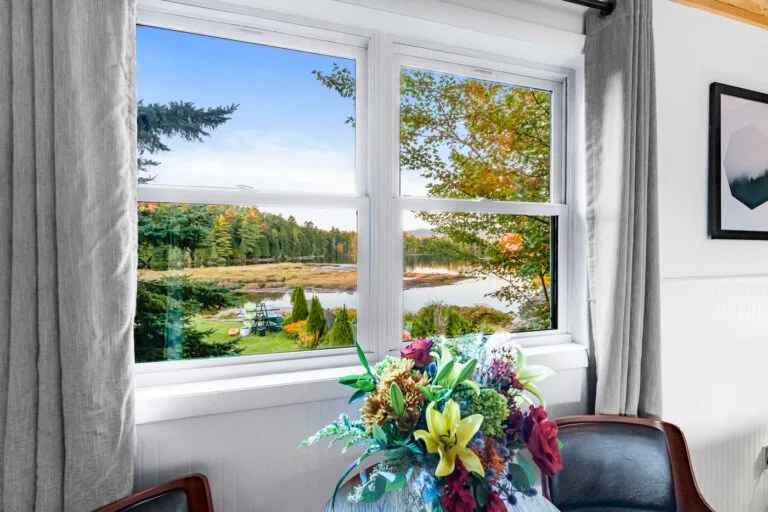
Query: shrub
316	319
298	331
437	318
299	300
341	332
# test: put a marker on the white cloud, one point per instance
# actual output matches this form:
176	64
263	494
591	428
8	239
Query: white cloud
286	163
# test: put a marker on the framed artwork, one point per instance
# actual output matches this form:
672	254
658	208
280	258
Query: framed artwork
738	163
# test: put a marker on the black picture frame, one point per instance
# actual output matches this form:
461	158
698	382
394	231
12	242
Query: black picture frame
716	91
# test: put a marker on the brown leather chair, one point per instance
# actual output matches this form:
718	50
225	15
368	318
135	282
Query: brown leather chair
187	494
619	463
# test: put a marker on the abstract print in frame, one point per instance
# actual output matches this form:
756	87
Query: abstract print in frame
738	163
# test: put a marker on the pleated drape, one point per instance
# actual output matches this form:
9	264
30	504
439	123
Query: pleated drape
67	252
622	209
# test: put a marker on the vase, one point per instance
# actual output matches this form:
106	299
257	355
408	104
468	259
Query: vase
410	500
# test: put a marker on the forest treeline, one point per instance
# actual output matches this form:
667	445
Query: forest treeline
175	235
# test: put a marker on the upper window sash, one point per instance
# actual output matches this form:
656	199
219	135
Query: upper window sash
498	71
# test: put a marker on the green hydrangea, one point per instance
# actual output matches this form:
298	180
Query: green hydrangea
489	403
384	364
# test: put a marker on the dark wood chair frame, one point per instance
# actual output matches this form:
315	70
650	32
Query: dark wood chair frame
194	486
687	494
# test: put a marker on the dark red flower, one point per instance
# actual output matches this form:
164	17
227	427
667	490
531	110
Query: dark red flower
494	503
540	433
418	350
457	493
514	425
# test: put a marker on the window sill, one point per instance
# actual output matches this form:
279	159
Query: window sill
178	401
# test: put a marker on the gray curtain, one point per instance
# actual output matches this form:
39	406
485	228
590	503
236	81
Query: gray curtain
622	208
67	253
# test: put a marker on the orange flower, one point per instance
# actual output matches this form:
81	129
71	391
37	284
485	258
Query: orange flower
490	458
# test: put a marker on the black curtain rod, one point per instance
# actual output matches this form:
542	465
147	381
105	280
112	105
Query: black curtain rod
605	7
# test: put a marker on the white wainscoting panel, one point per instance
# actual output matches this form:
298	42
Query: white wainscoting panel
715	371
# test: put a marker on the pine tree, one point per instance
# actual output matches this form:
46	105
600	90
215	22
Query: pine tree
222	240
316	319
341	332
250	235
176	119
300	310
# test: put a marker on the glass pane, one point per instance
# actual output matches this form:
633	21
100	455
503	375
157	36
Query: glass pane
467	138
476	272
217	112
224	280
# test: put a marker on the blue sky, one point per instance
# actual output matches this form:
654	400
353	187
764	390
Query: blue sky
288	133
274	87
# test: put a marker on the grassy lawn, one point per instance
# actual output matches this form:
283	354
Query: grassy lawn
253	343
281	276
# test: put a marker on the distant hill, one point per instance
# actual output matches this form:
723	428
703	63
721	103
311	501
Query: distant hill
423	233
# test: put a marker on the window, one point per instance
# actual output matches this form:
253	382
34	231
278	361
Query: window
248	195
288	207
480	184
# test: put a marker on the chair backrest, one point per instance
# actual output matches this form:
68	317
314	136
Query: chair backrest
616	463
187	494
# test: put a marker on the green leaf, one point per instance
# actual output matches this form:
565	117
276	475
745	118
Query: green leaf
366	385
559	444
352	379
528	468
445	371
467	371
427	393
357	395
363	360
379	435
481	493
532	389
519	476
397	399
374	490
400	480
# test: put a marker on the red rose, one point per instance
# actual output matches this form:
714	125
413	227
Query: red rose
418	350
540	433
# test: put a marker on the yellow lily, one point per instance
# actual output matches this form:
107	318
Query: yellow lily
529	375
449	434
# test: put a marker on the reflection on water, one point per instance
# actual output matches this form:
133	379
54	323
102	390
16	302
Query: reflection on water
428	263
469	292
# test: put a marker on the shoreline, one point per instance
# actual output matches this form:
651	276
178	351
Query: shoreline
319	289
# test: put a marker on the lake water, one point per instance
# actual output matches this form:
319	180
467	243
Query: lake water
468	292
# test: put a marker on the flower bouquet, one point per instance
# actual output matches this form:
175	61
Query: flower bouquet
450	419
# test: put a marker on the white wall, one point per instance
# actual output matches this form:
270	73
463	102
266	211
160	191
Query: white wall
714	292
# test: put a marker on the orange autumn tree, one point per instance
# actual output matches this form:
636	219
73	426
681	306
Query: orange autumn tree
472	138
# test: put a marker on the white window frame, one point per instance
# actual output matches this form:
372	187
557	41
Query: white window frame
379	57
278	34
